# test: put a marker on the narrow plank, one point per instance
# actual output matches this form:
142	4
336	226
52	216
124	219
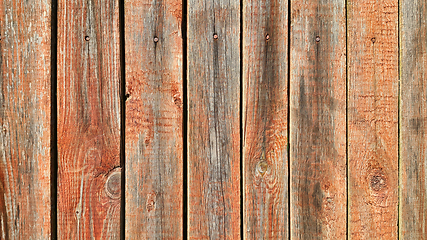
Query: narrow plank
154	112
213	119
373	118
413	112
318	119
88	120
265	124
25	119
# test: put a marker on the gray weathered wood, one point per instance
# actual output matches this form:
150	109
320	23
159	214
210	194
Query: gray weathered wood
154	111
265	119
318	119
25	119
213	119
413	112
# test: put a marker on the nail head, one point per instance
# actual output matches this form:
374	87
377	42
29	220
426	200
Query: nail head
87	38
215	36
156	39
373	40
267	37
317	39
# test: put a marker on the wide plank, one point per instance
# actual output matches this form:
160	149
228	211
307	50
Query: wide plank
89	185
413	123
154	119
213	76
265	120
372	119
25	108
318	120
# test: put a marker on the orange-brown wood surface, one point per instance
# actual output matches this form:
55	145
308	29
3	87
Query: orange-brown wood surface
413	112
318	120
89	185
213	119
265	121
372	119
154	111
25	119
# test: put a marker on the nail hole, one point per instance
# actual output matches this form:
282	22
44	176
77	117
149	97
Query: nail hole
156	39
267	37
87	38
373	40
215	36
317	39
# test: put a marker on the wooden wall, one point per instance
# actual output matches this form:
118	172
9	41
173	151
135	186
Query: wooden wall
186	119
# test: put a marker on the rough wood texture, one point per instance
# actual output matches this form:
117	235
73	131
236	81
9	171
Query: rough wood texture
213	119
373	118
25	119
265	104
413	164
154	110
318	120
88	120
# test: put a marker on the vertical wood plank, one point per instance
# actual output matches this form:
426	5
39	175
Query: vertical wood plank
25	119
318	119
373	118
213	119
265	104
88	120
154	111
413	112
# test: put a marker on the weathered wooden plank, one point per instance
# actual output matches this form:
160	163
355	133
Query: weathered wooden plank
213	119
373	118
413	112
318	119
25	119
88	120
265	123
154	111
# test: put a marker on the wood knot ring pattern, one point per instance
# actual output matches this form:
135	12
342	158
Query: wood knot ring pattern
113	186
262	167
378	182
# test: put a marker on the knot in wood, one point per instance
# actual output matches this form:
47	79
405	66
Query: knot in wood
113	186
378	182
262	167
373	40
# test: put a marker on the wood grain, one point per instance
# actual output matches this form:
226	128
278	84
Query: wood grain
318	119
25	119
154	115
213	119
88	120
265	123
413	112
373	118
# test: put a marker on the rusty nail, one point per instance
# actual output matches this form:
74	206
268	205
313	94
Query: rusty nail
267	37
215	36
156	39
373	40
317	39
87	38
